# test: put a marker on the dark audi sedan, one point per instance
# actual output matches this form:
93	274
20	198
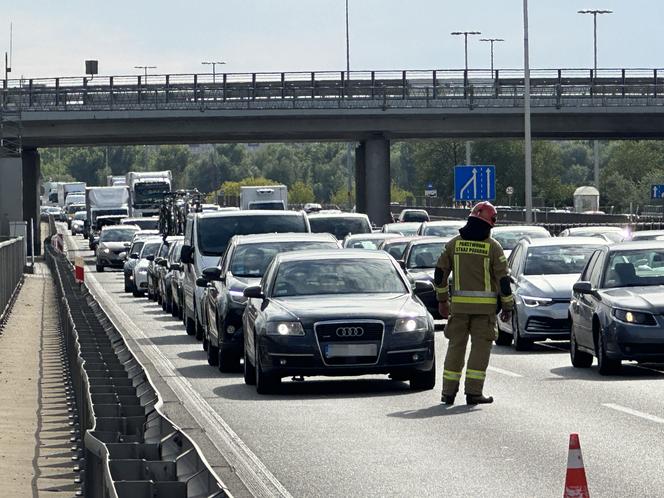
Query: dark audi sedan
333	313
617	307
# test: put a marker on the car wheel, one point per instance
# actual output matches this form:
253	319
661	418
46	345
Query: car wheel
228	362
424	381
199	329
175	311
249	371
190	325
126	286
168	307
607	366
99	268
137	293
580	359
265	383
212	354
504	338
205	340
520	344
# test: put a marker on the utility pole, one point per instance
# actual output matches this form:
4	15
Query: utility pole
595	13
526	122
214	68
465	52
349	145
491	41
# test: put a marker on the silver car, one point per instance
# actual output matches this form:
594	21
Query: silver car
114	241
543	272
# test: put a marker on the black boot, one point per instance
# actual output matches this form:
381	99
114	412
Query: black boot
448	399
478	399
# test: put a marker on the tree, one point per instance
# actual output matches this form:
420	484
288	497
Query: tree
300	193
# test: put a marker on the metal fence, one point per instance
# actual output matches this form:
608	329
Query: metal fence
329	89
128	447
12	262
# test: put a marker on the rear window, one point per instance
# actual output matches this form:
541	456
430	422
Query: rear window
214	233
557	260
146	224
118	235
339	226
414	216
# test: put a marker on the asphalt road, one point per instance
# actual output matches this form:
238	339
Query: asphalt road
371	436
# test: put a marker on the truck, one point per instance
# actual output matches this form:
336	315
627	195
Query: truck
50	193
265	197
146	191
66	188
104	201
116	180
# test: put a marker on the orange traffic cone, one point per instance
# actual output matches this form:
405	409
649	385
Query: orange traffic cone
576	485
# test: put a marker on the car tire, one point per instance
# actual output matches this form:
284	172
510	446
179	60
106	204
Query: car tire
249	371
265	383
580	359
175	312
212	354
99	268
504	338
168	306
424	381
607	366
190	326
163	303
126	286
199	329
137	293
520	344
228	361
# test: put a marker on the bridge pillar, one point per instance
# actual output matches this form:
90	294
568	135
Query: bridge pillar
360	179
31	199
377	178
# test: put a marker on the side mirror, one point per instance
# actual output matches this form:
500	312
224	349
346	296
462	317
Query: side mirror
150	258
254	292
163	262
122	255
583	287
133	255
212	273
186	253
201	282
422	286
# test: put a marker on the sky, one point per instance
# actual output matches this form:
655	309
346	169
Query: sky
54	37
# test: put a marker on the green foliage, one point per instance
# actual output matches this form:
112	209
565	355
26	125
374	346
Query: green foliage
300	193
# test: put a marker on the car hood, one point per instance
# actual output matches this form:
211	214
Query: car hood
114	246
553	286
311	309
239	283
647	298
142	263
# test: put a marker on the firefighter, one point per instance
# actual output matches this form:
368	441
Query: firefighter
481	285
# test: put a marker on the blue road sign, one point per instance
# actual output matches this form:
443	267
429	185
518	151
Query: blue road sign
474	183
657	192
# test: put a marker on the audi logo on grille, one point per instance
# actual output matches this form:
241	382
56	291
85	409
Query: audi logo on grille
350	332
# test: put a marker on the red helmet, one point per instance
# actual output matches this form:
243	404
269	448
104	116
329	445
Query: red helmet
485	211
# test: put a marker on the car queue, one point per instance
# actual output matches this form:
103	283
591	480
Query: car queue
281	294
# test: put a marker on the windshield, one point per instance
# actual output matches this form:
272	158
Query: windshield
214	233
81	215
267	205
337	276
339	226
635	268
117	235
425	255
72	208
414	216
406	229
557	260
442	230
136	247
357	243
150	192
144	224
163	250
251	260
395	249
509	239
150	249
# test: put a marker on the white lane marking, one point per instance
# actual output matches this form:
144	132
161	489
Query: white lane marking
248	467
636	413
504	372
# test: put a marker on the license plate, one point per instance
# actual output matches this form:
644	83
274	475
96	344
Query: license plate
345	350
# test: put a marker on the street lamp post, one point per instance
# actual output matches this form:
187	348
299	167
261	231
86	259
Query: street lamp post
214	68
145	68
465	46
491	41
526	121
595	13
349	145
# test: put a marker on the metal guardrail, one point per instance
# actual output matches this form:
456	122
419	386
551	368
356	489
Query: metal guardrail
129	448
12	262
338	89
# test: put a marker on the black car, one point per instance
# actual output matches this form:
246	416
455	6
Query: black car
243	264
165	274
419	261
340	224
617	307
176	280
154	270
348	312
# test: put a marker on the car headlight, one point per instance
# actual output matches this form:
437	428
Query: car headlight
238	297
285	328
106	250
532	302
634	317
410	324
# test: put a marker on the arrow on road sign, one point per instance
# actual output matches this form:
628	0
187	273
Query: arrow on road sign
473	181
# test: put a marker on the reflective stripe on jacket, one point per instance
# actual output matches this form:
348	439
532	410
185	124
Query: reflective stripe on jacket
476	267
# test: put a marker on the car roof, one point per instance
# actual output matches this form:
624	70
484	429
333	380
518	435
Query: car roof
120	227
283	237
443	223
648	232
142	218
370	236
566	241
247	212
508	228
399	239
637	244
599	228
337	215
429	240
414	210
402	223
331	254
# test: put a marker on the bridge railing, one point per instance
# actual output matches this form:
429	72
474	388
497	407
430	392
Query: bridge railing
436	88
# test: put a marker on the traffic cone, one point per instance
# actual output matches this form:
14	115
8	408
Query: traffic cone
576	485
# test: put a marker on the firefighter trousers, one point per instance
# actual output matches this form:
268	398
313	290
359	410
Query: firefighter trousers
481	330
